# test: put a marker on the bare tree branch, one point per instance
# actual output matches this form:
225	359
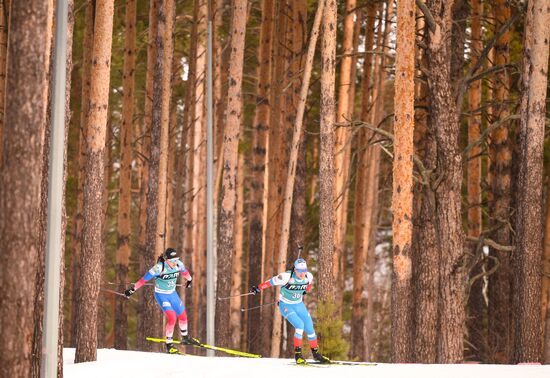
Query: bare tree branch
491	243
425	173
491	70
492	42
485	274
461	89
488	130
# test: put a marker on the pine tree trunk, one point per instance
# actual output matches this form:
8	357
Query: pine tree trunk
275	170
125	180
38	314
186	211
371	338
198	199
460	13
89	282
476	306
176	146
425	252
226	225
299	211
258	168
342	151
164	38
447	195
298	222
138	153
171	221
175	172
147	303
4	17
359	248
200	242
401	312
326	156
220	61
313	176
237	266
528	254
500	290
373	178
425	255
368	334
156	196
221	69
104	302
360	17
221	72
79	216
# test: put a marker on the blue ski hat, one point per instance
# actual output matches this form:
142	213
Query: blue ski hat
300	266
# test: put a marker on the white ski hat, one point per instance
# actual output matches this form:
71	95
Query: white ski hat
300	266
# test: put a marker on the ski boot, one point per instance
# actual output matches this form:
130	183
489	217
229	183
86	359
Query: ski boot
300	360
186	340
319	357
171	349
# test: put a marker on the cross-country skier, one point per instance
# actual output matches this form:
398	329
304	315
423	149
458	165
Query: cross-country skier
295	284
166	272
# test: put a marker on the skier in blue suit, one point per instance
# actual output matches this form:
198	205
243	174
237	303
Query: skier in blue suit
294	285
166	272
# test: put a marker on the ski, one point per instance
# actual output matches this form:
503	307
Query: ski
347	363
229	351
309	364
211	347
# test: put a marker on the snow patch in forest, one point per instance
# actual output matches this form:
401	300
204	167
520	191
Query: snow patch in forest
118	363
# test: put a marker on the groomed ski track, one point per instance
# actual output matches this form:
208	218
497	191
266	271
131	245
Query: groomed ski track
131	364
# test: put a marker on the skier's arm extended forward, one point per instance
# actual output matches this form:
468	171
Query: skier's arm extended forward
278	280
151	273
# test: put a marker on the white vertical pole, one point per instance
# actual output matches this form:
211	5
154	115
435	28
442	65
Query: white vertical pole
210	258
55	196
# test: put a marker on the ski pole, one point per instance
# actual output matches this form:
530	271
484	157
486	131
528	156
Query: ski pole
131	283
117	293
235	296
255	307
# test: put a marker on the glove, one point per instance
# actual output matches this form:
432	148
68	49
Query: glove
255	290
304	293
188	284
129	292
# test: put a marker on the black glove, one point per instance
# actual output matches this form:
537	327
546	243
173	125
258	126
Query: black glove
304	293
188	284
255	290
129	292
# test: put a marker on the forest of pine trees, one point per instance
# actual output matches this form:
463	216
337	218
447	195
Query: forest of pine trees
399	146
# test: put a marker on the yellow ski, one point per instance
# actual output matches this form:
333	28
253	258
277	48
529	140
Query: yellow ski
211	347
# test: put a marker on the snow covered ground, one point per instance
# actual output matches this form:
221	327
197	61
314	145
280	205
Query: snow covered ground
120	364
